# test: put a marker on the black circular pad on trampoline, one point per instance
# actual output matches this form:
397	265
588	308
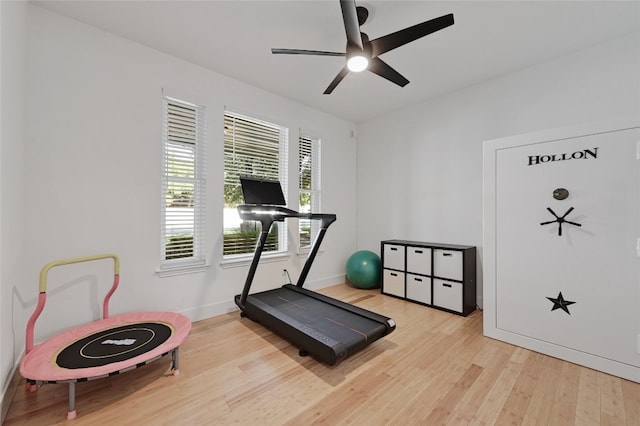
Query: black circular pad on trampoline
113	345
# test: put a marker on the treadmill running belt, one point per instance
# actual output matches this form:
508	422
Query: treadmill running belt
326	331
343	326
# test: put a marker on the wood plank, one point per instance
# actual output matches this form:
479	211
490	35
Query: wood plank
494	402
563	410
538	412
444	409
631	401
588	404
612	411
478	391
515	407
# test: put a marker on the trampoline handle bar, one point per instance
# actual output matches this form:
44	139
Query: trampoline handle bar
42	288
50	265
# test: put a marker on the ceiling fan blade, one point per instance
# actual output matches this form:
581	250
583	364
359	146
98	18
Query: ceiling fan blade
351	26
378	66
402	37
342	74
305	52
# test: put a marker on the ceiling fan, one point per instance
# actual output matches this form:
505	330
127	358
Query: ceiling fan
362	53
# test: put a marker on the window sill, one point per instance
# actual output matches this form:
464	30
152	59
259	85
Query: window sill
235	262
181	270
304	252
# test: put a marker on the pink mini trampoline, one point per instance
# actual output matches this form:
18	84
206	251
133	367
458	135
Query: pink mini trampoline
102	348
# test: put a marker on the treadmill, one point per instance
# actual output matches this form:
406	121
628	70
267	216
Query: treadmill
325	328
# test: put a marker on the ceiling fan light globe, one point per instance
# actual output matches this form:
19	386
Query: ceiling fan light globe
357	63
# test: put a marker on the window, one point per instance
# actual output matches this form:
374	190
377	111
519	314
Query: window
183	185
251	148
309	186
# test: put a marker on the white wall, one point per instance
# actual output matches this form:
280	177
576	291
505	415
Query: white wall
420	168
13	38
94	163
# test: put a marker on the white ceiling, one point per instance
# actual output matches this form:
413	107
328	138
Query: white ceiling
234	38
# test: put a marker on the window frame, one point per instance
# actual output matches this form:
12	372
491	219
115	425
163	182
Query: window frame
283	167
176	149
315	190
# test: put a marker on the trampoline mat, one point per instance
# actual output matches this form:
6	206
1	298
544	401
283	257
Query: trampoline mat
113	345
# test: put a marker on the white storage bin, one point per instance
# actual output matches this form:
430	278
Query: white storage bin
447	264
447	294
393	257
419	288
393	282
419	260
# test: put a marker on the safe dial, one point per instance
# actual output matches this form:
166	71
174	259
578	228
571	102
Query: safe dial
560	193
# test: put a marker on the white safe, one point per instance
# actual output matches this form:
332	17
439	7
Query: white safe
562	244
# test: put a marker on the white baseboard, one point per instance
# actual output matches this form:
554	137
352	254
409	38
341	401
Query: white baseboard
227	306
9	392
209	311
325	282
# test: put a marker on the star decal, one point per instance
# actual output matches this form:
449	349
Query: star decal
560	303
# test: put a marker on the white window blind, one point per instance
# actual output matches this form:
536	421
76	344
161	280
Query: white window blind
183	185
309	185
254	148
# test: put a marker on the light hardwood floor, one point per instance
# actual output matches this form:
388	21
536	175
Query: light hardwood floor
435	368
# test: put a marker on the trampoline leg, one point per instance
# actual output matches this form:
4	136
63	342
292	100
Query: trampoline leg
174	362
31	385
72	401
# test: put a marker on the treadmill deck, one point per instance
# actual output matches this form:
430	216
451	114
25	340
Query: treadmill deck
326	328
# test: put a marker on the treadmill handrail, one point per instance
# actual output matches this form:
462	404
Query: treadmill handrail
278	213
266	215
257	212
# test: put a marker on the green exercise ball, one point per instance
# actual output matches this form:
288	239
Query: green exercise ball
363	269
